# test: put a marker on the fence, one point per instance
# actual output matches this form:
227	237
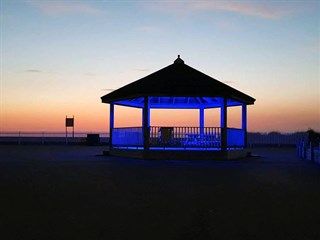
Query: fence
309	151
48	138
210	136
276	139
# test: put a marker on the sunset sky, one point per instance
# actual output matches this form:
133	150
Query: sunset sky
59	57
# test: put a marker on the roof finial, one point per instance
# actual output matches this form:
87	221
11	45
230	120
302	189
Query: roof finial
178	60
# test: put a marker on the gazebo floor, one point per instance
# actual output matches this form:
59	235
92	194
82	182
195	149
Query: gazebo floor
179	153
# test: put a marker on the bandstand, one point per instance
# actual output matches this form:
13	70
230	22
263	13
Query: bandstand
179	86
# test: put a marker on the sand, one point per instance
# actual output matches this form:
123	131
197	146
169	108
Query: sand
72	192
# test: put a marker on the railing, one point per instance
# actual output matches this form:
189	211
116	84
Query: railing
131	136
309	151
48	137
206	137
235	138
276	139
182	137
253	139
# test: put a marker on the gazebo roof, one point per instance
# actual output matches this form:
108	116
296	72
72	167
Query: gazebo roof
176	83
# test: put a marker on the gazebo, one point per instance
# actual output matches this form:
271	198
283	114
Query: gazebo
178	86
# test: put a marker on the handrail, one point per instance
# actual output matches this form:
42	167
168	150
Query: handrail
47	134
172	136
21	137
207	137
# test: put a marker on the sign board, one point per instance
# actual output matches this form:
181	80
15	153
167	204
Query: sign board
69	122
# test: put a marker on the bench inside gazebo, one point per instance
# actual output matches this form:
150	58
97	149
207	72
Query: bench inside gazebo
179	86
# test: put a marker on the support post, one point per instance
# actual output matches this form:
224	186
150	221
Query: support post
201	121
223	124
111	123
244	124
146	123
73	127
66	131
143	115
311	152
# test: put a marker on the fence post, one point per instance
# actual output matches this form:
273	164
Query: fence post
42	138
300	149
318	160
311	152
304	150
19	138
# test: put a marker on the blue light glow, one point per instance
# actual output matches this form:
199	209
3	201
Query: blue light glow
178	102
180	138
185	148
174	148
235	137
177	138
127	136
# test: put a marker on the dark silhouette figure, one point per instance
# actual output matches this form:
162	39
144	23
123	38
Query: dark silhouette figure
313	138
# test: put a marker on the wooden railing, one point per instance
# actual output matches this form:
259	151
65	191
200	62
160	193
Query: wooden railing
129	136
235	138
206	137
177	137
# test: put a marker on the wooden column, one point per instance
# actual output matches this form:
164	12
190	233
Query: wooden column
146	123
244	123
111	123
223	124
201	120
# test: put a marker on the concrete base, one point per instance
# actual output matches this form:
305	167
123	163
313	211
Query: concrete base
179	154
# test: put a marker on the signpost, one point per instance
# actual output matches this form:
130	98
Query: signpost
69	123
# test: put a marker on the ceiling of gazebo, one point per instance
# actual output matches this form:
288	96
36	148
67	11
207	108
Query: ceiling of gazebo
178	102
177	86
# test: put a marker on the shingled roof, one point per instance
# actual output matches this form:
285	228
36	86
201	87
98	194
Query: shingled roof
177	80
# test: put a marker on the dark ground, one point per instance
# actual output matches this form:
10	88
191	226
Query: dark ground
69	192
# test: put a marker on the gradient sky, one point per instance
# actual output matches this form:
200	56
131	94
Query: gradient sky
59	57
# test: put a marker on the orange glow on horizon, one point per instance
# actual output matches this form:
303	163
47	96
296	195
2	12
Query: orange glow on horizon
50	69
261	118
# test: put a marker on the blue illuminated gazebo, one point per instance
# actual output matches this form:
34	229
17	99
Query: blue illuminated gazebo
178	86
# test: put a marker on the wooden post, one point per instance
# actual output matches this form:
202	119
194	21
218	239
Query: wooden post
311	152
146	123
73	127
201	121
244	124
66	132
111	123
318	159
223	124
304	150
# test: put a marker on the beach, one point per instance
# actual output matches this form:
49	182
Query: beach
73	192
